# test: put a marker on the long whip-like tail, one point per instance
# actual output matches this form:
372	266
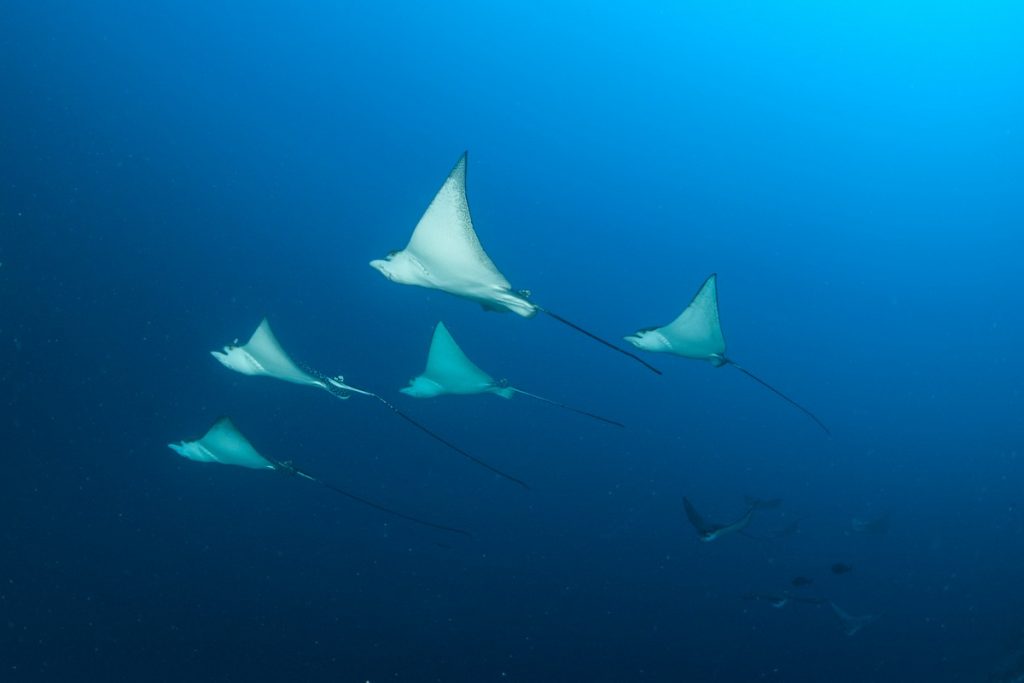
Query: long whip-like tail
562	405
760	381
370	503
607	343
339	385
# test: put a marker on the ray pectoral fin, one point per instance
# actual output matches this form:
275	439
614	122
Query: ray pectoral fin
598	339
566	407
748	373
444	242
694	517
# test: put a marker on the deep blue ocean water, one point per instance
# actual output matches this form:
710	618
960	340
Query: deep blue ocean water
172	172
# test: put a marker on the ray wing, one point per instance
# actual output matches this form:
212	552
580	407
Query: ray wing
697	332
446	244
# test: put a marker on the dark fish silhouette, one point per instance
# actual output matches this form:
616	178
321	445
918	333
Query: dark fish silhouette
840	568
801	581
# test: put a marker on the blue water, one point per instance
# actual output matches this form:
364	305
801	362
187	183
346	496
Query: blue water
173	172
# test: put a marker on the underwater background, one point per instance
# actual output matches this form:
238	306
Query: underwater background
173	172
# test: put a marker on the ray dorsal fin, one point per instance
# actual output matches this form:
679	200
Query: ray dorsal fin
697	332
263	355
444	238
223	444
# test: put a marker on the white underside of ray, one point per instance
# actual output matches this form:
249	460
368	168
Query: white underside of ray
696	333
450	371
223	444
262	355
445	253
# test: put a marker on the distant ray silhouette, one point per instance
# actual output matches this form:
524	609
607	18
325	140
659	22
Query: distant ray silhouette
851	625
708	531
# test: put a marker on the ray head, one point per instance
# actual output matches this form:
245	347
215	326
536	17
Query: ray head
402	268
650	340
238	359
423	387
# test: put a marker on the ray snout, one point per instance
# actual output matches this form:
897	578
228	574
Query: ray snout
381	266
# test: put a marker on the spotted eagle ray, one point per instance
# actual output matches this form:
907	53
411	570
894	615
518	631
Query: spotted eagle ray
697	334
224	444
450	371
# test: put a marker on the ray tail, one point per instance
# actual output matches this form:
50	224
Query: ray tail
370	503
562	405
434	435
452	446
336	387
793	403
607	343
